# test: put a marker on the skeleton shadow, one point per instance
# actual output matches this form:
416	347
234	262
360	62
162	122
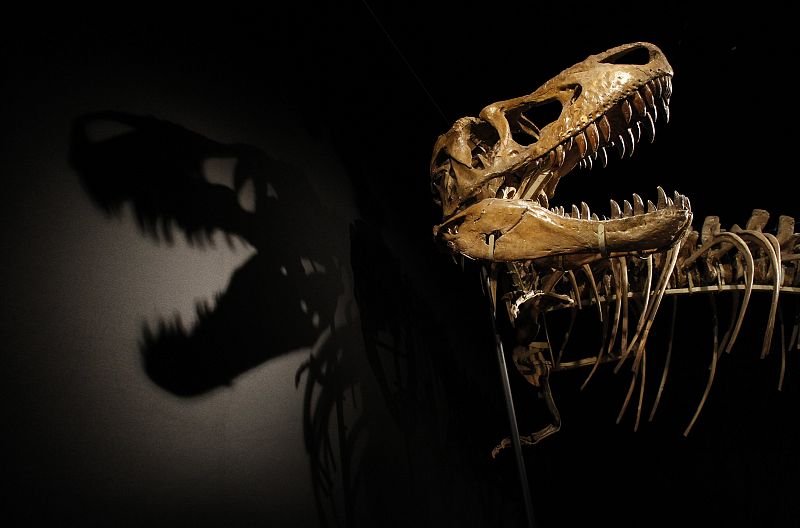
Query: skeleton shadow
158	168
280	299
400	358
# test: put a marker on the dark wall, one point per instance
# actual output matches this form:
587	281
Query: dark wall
221	303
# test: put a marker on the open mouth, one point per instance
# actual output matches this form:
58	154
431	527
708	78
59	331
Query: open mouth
496	175
526	226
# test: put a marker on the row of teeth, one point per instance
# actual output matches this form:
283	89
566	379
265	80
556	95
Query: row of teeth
628	209
592	142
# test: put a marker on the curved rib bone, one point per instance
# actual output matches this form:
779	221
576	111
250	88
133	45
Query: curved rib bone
666	360
759	238
749	273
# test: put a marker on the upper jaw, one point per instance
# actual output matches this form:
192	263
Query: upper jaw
619	128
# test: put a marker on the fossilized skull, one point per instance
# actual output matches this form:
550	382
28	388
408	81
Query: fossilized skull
494	175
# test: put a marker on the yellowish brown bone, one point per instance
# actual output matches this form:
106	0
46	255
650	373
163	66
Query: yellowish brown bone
495	177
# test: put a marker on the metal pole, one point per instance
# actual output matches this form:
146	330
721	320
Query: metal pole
512	415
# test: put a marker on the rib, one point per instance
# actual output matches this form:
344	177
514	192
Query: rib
758	238
662	287
666	360
736	241
593	285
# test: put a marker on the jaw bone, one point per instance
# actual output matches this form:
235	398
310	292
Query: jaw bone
498	172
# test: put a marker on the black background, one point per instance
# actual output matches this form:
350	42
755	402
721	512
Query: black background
377	85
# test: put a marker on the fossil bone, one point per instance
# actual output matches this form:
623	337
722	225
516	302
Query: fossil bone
495	178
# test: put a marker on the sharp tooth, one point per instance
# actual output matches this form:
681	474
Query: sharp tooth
667	95
561	210
664	108
655	86
589	162
592	136
580	140
637	132
594	156
670	203
554	210
650	101
651	207
603	156
649	127
625	107
616	212
585	214
568	145
638	204
688	206
628	208
638	102
559	156
633	143
677	199
662	198
621	146
582	164
576	213
543	200
604	127
595	217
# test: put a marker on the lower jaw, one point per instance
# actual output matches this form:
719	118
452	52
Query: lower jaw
513	230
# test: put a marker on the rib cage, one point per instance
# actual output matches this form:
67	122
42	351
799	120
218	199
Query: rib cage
743	260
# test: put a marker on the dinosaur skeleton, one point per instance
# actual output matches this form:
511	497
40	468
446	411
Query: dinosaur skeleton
495	175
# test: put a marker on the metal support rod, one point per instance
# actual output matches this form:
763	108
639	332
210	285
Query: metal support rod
512	415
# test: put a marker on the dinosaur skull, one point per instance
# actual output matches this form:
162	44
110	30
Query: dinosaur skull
494	175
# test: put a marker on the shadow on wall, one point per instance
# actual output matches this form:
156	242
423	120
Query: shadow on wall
162	170
283	298
398	359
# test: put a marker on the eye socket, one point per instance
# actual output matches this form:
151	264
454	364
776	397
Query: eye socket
483	138
638	55
527	123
